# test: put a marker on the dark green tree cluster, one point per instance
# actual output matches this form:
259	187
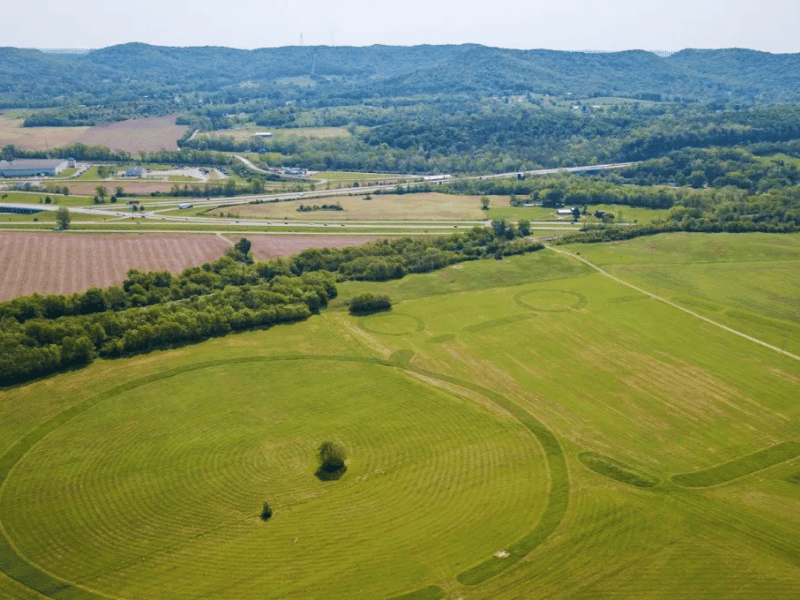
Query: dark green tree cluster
331	457
698	128
315	207
392	259
368	302
712	211
715	167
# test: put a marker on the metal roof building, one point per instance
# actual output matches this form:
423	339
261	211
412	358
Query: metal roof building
31	167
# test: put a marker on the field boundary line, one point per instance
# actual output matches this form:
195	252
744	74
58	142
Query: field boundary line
674	305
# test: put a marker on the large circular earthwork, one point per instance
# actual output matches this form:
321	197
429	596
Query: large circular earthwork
154	489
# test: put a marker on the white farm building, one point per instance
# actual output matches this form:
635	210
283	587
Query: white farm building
31	167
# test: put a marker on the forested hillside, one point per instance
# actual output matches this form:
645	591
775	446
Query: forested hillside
130	71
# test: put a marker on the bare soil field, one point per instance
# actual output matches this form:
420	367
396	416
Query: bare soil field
430	206
135	186
272	246
65	262
147	135
35	138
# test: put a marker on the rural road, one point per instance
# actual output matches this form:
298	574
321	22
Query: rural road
672	304
250	165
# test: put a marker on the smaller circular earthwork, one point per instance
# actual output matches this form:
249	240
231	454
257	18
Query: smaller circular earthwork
392	324
551	300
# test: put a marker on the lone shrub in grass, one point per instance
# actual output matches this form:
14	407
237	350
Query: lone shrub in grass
266	512
368	303
331	461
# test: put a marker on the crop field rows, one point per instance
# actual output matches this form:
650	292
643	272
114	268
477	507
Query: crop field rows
66	263
539	430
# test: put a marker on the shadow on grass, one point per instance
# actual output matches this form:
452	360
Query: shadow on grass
325	475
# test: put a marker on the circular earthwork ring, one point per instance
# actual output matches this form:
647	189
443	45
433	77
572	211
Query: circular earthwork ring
543	300
392	323
30	575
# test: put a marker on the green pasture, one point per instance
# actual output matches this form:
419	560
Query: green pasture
749	283
91	174
48	217
624	214
523	428
39	197
500	209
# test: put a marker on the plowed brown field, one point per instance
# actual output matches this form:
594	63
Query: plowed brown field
148	135
64	263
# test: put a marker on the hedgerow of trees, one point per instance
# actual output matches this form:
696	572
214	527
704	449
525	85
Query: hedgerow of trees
42	334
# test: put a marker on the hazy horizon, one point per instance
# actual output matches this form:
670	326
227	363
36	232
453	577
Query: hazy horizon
79	50
570	25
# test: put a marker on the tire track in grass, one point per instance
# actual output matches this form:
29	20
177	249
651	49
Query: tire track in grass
13	564
674	305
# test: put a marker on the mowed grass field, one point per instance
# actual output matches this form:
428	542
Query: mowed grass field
612	445
381	207
751	287
311	133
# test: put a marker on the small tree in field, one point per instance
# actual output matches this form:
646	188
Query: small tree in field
240	252
484	203
266	512
62	217
331	461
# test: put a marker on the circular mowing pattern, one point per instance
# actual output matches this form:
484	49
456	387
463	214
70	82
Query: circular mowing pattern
551	300
157	492
392	324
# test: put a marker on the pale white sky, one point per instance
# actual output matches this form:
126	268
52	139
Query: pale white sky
553	24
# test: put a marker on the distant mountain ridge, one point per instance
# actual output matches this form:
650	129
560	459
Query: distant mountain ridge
133	70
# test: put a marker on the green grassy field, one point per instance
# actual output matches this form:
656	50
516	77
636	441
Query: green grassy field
38	198
524	428
750	287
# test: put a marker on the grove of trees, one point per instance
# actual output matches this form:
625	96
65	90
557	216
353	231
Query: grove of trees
41	334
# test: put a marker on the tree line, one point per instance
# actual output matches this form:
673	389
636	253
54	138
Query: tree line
41	334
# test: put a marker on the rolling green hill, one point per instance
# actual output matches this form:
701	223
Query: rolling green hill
134	70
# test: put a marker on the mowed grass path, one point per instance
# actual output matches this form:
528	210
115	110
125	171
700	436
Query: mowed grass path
187	469
606	371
